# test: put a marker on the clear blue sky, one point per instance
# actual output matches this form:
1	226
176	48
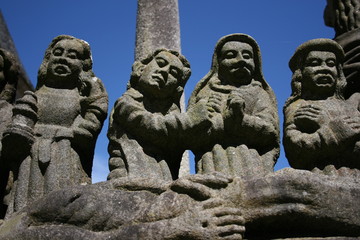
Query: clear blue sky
279	26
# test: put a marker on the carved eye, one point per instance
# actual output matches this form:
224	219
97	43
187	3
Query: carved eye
58	51
175	72
313	62
230	54
72	55
330	62
247	55
161	62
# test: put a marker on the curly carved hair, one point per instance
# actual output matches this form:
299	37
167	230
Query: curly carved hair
11	74
86	62
139	66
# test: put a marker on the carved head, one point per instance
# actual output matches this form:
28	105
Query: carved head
162	75
9	73
237	60
317	70
67	60
236	63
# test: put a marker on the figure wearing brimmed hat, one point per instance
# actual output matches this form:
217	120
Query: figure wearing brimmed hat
321	128
244	138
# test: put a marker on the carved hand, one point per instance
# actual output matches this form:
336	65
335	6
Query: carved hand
235	106
222	221
200	186
309	118
214	104
200	115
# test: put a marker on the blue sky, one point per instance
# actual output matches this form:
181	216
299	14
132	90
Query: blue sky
279	26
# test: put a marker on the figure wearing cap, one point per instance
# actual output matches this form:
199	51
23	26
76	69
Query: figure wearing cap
321	128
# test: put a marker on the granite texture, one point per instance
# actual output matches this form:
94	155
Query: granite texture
321	128
244	137
288	204
148	134
56	127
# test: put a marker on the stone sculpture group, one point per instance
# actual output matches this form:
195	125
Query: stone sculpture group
231	125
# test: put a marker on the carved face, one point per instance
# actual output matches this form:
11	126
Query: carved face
236	63
320	73
161	76
65	63
2	75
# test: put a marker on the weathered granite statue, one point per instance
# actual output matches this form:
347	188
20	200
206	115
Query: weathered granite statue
344	17
321	128
57	125
287	204
9	71
188	208
147	132
244	138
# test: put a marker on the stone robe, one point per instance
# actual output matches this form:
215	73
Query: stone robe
62	152
333	143
144	143
245	148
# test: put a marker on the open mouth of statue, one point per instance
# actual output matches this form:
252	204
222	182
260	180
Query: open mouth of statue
61	69
324	80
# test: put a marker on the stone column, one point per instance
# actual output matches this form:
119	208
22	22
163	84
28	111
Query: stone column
157	26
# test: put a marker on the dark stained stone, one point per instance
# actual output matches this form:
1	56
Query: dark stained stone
9	74
344	17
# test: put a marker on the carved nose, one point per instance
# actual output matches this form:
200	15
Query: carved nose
164	73
62	59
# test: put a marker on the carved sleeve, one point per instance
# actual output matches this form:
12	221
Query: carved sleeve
259	126
155	128
175	130
93	113
302	149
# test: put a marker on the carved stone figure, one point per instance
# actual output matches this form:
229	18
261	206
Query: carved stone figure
199	206
58	125
188	208
244	137
344	17
321	128
9	71
147	132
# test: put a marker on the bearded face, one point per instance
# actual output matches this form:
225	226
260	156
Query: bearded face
236	63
